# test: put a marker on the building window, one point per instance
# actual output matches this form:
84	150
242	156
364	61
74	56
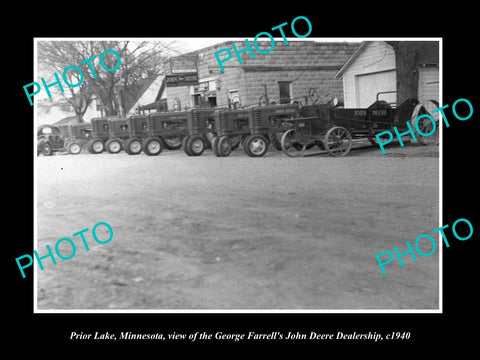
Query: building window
204	94
285	90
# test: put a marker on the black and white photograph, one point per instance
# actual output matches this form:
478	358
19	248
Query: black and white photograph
237	174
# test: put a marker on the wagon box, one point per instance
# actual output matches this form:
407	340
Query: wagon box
332	128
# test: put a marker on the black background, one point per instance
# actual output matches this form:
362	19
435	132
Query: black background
432	332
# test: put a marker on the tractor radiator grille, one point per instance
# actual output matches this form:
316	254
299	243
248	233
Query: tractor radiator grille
257	120
196	119
223	122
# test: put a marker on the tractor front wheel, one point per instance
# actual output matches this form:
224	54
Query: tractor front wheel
113	146
133	146
195	145
95	146
74	148
152	146
256	145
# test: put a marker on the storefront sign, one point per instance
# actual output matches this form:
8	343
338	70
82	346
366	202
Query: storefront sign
181	79
183	64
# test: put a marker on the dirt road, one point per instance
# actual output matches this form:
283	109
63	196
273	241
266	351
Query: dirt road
239	232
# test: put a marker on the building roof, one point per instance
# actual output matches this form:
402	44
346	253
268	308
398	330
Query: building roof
352	58
428	53
141	86
66	121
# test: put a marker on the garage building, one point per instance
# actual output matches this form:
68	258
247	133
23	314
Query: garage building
400	69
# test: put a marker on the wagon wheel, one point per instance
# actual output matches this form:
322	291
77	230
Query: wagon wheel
291	144
425	125
338	141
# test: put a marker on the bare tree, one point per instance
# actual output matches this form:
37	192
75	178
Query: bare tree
140	61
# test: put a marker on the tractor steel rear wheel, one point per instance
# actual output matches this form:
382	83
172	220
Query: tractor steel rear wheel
195	145
133	146
338	141
427	132
95	146
292	146
224	146
256	145
152	146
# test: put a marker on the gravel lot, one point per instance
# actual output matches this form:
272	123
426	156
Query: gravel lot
239	232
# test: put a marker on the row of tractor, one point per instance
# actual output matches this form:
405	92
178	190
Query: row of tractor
291	128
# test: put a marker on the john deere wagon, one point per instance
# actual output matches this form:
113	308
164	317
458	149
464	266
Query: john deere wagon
332	128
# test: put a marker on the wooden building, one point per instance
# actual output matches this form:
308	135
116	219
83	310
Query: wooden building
400	69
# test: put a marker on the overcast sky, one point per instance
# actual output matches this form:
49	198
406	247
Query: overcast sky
192	44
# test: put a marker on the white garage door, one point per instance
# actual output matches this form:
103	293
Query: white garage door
368	85
428	84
